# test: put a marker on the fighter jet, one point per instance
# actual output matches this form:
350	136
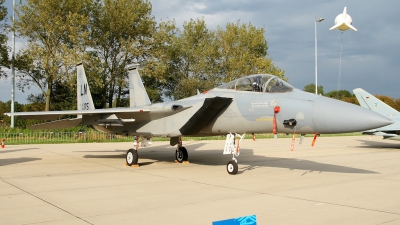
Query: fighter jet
343	22
259	103
372	103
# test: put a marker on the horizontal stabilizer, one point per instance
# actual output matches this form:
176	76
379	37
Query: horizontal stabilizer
66	123
53	115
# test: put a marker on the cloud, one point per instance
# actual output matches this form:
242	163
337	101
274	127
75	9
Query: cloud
370	58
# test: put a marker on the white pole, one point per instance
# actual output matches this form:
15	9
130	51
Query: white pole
316	56
12	69
316	70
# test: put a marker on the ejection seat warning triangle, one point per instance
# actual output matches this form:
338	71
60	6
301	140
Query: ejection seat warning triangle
245	220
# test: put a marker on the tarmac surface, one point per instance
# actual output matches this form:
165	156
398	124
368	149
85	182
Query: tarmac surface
341	180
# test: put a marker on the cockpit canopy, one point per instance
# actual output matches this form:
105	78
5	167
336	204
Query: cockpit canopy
259	83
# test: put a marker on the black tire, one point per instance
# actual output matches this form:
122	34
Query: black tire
232	167
132	157
181	155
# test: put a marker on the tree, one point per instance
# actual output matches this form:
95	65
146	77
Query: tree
120	31
56	32
242	50
311	88
159	70
192	61
397	101
4	58
202	59
388	100
343	95
339	94
6	107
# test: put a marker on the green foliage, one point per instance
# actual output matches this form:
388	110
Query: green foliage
343	95
389	101
120	31
6	107
63	96
56	33
311	88
110	34
192	61
199	58
242	50
339	94
4	58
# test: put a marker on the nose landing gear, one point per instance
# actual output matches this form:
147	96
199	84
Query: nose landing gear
232	148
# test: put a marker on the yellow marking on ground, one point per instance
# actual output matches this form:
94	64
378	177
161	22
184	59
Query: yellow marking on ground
133	166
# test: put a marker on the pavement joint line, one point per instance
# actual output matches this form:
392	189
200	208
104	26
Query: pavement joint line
336	204
389	221
161	207
49	203
283	196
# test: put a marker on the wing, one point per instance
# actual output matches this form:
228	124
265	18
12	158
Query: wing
65	123
111	116
123	113
210	109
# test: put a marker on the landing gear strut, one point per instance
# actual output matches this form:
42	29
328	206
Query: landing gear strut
232	148
181	153
132	155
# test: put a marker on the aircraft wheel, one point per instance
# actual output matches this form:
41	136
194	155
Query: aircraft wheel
181	155
232	167
132	157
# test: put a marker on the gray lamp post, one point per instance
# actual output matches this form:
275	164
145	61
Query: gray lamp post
316	56
13	69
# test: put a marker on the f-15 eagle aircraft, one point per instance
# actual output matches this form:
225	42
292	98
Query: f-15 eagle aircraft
260	103
372	103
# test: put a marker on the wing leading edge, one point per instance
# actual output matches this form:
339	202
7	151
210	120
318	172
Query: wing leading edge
210	109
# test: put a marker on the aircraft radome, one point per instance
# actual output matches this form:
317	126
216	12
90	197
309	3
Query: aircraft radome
260	103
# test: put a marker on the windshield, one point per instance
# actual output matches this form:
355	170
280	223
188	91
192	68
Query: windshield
259	83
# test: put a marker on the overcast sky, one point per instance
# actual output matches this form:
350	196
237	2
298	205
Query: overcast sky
370	57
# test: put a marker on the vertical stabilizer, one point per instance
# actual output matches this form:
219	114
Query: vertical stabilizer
369	101
137	91
83	96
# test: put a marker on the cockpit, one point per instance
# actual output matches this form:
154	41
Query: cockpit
259	83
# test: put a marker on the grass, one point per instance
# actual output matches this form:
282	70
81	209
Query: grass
83	134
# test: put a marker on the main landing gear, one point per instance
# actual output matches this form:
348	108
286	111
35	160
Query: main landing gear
181	154
232	148
132	156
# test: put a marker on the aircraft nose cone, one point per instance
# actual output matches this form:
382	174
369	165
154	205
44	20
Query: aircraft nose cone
333	116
